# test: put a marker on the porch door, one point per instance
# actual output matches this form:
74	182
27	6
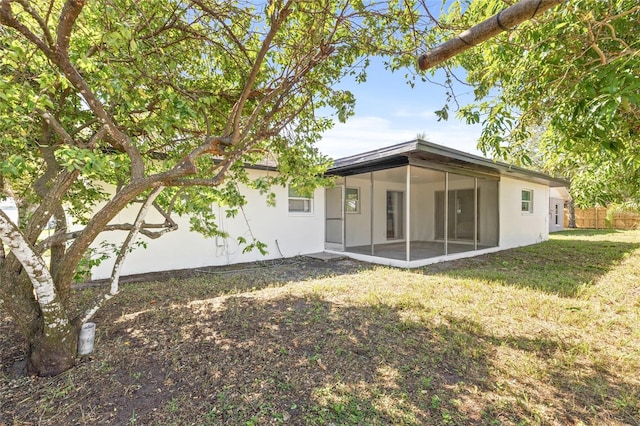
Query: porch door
395	215
460	217
461	214
334	218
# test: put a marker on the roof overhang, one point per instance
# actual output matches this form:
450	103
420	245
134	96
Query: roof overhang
426	154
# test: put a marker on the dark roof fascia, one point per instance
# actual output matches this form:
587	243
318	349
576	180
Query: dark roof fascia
369	166
263	167
385	158
368	159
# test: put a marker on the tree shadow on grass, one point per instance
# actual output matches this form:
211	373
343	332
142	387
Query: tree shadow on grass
175	286
254	360
564	267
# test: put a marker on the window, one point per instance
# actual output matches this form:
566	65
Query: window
527	201
352	200
298	203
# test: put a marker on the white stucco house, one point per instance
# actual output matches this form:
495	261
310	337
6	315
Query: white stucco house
406	205
294	226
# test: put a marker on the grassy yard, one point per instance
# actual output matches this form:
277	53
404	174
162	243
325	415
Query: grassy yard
546	334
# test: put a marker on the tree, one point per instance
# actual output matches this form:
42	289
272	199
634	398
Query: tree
502	21
164	101
569	80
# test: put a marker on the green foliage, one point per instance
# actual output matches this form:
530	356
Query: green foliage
563	88
171	76
85	160
102	103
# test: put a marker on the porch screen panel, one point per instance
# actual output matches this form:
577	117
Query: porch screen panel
389	230
425	183
358	214
333	215
456	210
488	217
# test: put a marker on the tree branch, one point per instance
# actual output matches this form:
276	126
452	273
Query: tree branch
124	250
239	44
7	18
62	237
52	197
41	22
128	193
70	12
234	124
504	20
144	230
595	47
56	126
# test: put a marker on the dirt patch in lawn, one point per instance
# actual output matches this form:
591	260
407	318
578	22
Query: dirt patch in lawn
209	346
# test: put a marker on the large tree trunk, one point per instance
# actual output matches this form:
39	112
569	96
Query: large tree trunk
572	214
28	292
51	352
51	339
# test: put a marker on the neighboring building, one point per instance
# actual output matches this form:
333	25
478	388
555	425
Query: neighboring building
557	199
406	205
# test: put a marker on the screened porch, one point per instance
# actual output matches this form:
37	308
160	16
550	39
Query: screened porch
412	212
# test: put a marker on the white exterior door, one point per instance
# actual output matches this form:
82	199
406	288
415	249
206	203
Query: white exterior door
556	214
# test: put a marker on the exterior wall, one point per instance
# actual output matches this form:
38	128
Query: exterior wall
516	227
286	235
10	209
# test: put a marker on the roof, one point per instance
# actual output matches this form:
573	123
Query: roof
422	153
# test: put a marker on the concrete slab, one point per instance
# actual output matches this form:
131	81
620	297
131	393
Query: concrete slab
323	255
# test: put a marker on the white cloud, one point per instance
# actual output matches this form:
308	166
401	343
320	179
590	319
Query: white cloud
424	114
362	134
455	135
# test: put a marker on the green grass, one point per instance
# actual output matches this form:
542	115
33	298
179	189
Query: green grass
545	334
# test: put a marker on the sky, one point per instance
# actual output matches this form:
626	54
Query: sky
388	111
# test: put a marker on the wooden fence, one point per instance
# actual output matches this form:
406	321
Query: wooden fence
596	218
